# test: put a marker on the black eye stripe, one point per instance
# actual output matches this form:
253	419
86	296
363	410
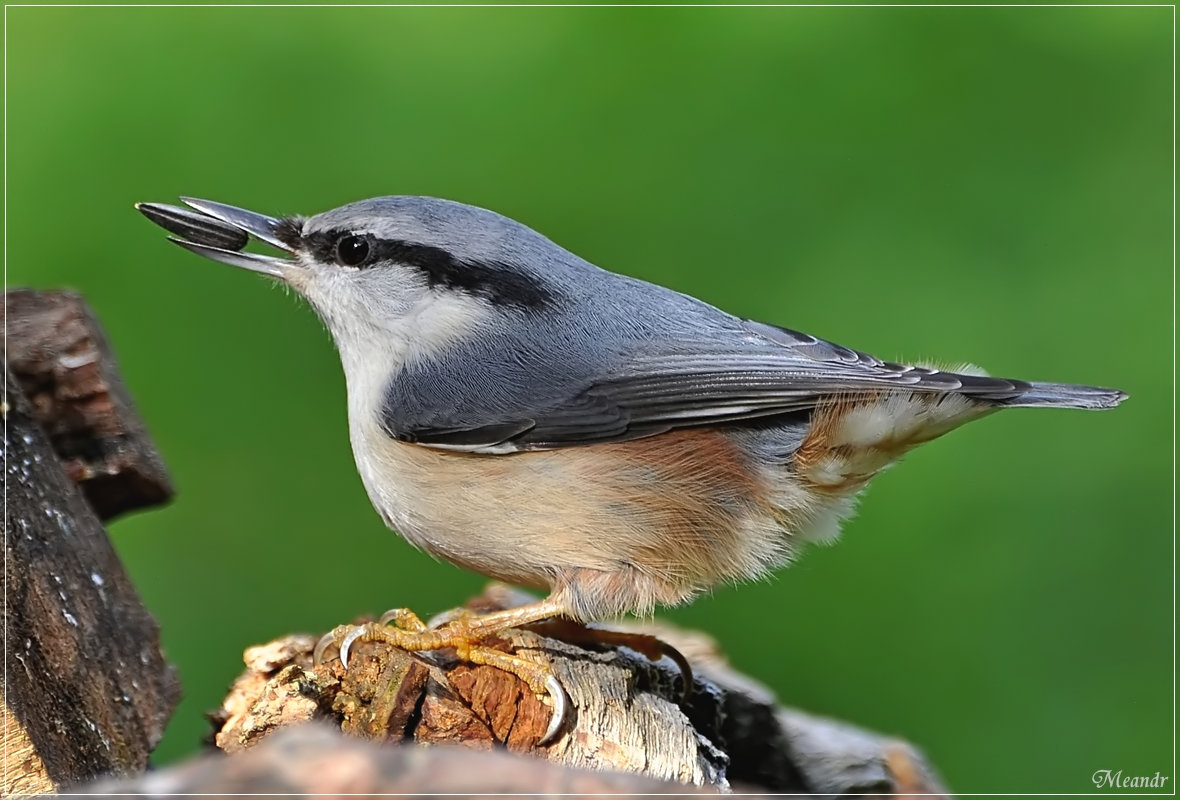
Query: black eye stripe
498	282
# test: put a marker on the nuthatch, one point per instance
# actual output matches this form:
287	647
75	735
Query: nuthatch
521	413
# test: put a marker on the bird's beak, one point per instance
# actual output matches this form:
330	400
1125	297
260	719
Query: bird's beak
219	232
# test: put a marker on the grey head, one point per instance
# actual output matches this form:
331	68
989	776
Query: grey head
460	328
422	249
378	263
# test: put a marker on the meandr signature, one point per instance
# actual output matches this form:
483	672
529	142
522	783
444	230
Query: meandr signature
1115	779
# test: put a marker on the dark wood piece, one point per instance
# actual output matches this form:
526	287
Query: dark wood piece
87	691
61	359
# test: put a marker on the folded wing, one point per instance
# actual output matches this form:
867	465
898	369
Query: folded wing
770	371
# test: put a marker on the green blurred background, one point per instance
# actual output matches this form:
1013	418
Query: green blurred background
989	185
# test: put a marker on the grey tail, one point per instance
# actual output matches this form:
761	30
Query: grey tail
1066	395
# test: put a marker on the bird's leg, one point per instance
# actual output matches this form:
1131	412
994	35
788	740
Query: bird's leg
462	633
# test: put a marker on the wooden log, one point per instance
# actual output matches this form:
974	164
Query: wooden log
87	691
319	760
64	365
629	712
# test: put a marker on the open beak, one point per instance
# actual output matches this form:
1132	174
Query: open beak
219	232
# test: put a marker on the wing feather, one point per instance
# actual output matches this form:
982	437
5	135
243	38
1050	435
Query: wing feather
771	371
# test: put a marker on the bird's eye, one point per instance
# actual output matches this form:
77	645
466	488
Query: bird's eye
352	251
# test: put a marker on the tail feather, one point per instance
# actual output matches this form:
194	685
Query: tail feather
1066	395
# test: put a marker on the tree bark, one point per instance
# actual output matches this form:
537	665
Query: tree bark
60	357
630	713
87	691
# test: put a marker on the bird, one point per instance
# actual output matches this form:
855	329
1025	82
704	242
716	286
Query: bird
522	413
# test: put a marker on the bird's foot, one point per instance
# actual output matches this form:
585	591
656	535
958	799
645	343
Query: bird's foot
651	647
462	633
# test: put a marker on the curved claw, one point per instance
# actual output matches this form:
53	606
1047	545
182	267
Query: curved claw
402	618
557	718
389	616
347	642
328	639
444	618
688	679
